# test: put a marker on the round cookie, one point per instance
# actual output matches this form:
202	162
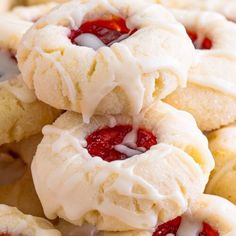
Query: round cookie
141	54
90	178
13	223
22	115
222	144
16	184
208	216
225	7
210	95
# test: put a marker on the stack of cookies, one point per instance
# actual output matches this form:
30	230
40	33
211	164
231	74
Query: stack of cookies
106	110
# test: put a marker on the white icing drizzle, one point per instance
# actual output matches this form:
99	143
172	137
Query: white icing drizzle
128	145
131	138
125	65
89	40
126	179
92	41
129	80
71	89
129	152
189	226
8	67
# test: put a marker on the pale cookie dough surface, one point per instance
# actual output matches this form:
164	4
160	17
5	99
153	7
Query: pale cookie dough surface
6	5
138	192
22	115
16	184
33	2
222	181
215	211
14	222
225	7
210	95
12	31
122	78
32	13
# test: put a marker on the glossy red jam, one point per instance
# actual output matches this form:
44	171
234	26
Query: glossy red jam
108	31
102	142
171	227
208	230
4	234
205	44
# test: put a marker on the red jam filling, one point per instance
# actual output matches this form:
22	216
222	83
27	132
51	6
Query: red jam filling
108	31
205	44
171	227
102	142
4	234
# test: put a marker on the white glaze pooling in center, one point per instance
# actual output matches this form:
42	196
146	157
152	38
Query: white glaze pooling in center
89	40
128	145
189	227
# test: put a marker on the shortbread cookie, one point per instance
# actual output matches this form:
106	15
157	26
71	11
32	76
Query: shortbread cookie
208	216
89	177
225	7
110	56
16	184
210	95
223	146
22	115
14	223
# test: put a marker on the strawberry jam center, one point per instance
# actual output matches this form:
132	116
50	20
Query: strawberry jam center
206	43
171	228
119	142
4	234
104	32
